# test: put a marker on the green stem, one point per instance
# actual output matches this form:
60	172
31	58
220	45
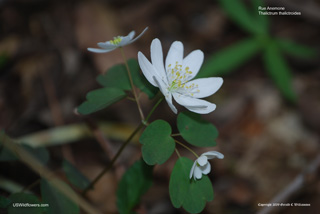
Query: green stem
177	152
195	154
175	135
109	166
113	159
131	83
152	110
31	185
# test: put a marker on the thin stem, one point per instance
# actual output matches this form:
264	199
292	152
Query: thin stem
152	110
121	149
175	135
35	183
132	99
195	154
113	160
177	152
131	83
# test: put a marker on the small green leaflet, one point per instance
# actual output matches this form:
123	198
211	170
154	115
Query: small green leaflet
158	145
134	183
74	175
187	193
195	130
117	77
100	99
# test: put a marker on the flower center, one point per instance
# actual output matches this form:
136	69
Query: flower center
178	77
116	40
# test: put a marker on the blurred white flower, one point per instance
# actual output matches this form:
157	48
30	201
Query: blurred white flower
202	165
173	78
117	42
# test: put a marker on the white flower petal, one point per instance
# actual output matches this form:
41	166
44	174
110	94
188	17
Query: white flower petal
197	173
213	154
97	50
124	41
157	59
199	110
106	45
192	169
131	34
206	86
166	93
202	160
206	168
139	35
169	101
147	68
175	54
194	61
193	104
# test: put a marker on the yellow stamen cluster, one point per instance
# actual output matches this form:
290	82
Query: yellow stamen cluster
116	40
178	77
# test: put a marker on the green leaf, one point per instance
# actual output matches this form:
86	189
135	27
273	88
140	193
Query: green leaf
4	202
195	130
279	71
262	20
295	49
25	198
240	15
158	145
100	99
117	77
74	175
230	58
190	194
58	202
134	183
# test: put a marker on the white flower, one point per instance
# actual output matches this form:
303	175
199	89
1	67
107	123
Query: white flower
202	165
117	42
173	78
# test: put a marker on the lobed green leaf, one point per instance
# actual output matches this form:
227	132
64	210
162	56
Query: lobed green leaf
230	58
157	143
74	176
195	130
134	183
187	193
117	77
100	99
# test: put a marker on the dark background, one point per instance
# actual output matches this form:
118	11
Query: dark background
267	141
